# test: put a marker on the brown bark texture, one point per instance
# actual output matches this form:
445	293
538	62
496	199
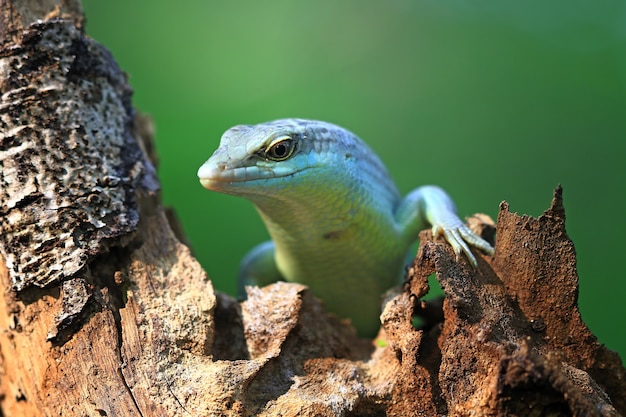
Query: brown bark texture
104	312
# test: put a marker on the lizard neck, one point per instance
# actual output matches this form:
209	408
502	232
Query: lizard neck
302	213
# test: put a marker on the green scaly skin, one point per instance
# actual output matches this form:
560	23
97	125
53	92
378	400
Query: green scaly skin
336	219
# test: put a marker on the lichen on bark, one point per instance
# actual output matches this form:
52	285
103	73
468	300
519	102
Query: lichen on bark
69	166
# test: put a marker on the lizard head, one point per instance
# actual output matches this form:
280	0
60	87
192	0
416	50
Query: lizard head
274	157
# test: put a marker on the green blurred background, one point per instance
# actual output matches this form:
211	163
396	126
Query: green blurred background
491	100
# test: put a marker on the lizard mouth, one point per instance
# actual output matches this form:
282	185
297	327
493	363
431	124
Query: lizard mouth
209	184
217	177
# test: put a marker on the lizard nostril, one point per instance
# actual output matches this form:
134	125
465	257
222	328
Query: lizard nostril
222	166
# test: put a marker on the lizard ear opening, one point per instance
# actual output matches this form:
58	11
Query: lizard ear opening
280	149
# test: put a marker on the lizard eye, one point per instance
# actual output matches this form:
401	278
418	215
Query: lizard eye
281	148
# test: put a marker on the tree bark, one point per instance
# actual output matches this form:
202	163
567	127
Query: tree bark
105	313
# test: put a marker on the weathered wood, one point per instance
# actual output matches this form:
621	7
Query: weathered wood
512	339
104	311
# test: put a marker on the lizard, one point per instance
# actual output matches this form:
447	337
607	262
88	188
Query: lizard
335	217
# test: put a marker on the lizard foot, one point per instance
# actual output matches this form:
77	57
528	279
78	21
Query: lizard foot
459	236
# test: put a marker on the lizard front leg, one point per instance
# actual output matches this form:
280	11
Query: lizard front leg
431	205
258	268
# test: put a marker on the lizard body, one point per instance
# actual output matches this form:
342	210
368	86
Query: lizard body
336	219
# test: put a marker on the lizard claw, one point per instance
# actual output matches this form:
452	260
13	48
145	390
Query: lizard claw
459	236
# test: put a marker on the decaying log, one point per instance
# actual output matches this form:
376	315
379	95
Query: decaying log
105	313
